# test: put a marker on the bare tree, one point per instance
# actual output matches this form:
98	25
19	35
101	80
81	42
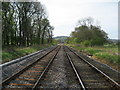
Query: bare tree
86	22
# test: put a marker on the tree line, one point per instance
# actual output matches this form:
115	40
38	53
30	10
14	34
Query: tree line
25	24
88	34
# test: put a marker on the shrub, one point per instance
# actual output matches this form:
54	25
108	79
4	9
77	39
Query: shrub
86	43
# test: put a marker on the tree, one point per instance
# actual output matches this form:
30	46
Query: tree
45	23
8	24
89	34
86	22
25	24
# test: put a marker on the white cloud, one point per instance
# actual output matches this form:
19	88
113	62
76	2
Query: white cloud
64	14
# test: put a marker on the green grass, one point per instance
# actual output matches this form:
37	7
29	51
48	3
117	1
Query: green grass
10	53
107	52
92	51
109	57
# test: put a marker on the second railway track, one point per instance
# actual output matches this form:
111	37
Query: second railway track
90	76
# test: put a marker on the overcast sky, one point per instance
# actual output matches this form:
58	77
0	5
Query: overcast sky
64	15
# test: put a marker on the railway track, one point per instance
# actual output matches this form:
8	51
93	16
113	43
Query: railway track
89	76
60	74
60	68
29	76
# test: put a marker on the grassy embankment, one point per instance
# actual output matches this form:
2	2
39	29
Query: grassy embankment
10	53
106	54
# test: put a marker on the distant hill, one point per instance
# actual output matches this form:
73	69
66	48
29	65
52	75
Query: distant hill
114	40
62	39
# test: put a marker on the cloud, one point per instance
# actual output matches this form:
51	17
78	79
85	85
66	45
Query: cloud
64	14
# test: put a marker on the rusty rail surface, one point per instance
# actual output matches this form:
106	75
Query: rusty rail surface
6	81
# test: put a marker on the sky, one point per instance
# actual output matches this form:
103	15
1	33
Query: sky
64	15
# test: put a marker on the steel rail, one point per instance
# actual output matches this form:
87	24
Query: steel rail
46	68
115	84
76	72
6	81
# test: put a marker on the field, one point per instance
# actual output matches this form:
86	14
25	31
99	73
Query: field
107	54
11	53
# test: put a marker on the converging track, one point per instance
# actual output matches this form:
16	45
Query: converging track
61	67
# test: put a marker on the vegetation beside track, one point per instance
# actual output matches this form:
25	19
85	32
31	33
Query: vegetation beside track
10	53
107	54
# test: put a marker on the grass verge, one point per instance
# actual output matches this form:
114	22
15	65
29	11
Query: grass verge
11	53
106	54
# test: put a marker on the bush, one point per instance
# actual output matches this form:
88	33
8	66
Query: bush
86	43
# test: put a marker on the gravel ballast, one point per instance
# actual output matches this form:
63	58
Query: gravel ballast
60	74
